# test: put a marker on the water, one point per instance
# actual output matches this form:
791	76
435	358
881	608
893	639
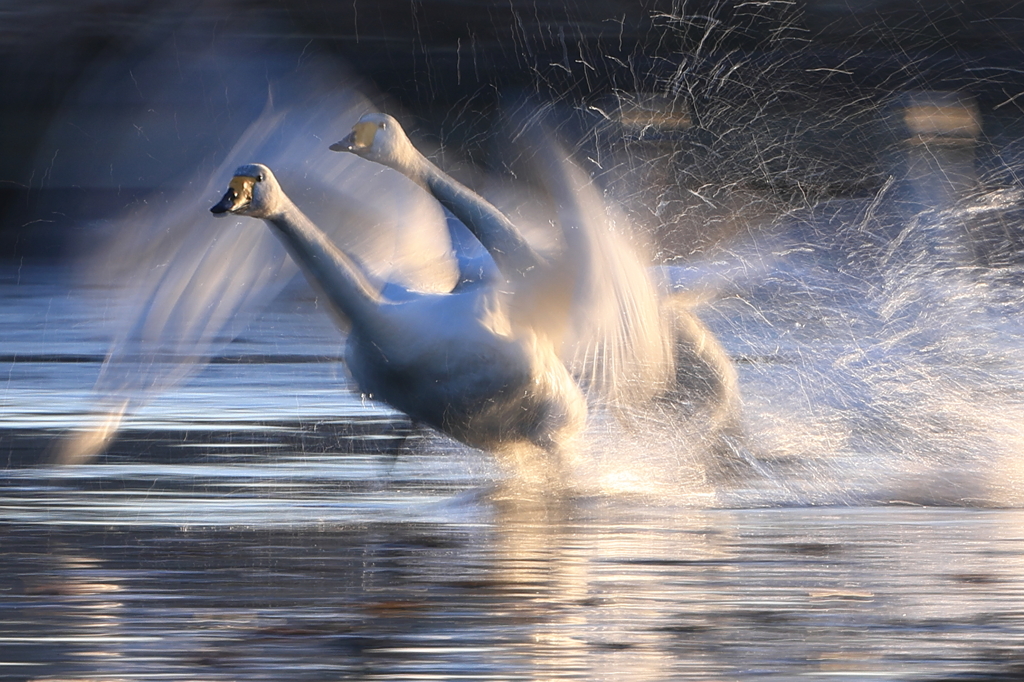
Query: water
258	522
412	584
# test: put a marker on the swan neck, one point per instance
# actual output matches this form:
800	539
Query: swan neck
329	269
511	252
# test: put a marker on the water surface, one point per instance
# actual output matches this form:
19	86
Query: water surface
260	522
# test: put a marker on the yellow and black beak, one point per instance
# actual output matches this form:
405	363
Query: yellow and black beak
238	196
360	139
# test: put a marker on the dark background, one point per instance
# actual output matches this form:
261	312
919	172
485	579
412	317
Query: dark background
782	96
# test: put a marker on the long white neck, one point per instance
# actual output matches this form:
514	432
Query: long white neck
327	267
511	252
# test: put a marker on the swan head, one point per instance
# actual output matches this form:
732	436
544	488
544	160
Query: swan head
253	191
379	137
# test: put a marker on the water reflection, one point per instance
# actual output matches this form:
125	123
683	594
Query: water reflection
503	590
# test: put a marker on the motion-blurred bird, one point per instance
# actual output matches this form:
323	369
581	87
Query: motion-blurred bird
455	361
624	342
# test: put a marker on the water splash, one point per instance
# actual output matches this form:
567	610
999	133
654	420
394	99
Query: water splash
878	360
875	372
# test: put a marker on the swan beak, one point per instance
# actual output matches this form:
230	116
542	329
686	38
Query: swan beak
359	140
238	196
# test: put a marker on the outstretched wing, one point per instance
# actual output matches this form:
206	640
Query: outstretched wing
616	340
183	284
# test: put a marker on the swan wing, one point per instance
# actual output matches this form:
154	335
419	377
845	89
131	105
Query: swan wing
616	340
184	285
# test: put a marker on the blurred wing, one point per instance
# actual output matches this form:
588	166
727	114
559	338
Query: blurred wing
187	284
616	341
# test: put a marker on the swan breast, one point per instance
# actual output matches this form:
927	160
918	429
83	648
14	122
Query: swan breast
453	363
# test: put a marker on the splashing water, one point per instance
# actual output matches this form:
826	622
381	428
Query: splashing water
880	374
877	362
869	374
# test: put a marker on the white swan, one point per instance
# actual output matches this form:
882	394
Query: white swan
544	290
454	361
596	300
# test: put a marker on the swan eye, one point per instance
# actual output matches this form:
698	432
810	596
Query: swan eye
259	177
384	126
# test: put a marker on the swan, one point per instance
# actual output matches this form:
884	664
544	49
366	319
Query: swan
455	361
617	335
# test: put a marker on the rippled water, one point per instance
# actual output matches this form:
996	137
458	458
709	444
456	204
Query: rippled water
331	581
260	523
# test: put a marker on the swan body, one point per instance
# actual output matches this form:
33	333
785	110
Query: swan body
453	361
